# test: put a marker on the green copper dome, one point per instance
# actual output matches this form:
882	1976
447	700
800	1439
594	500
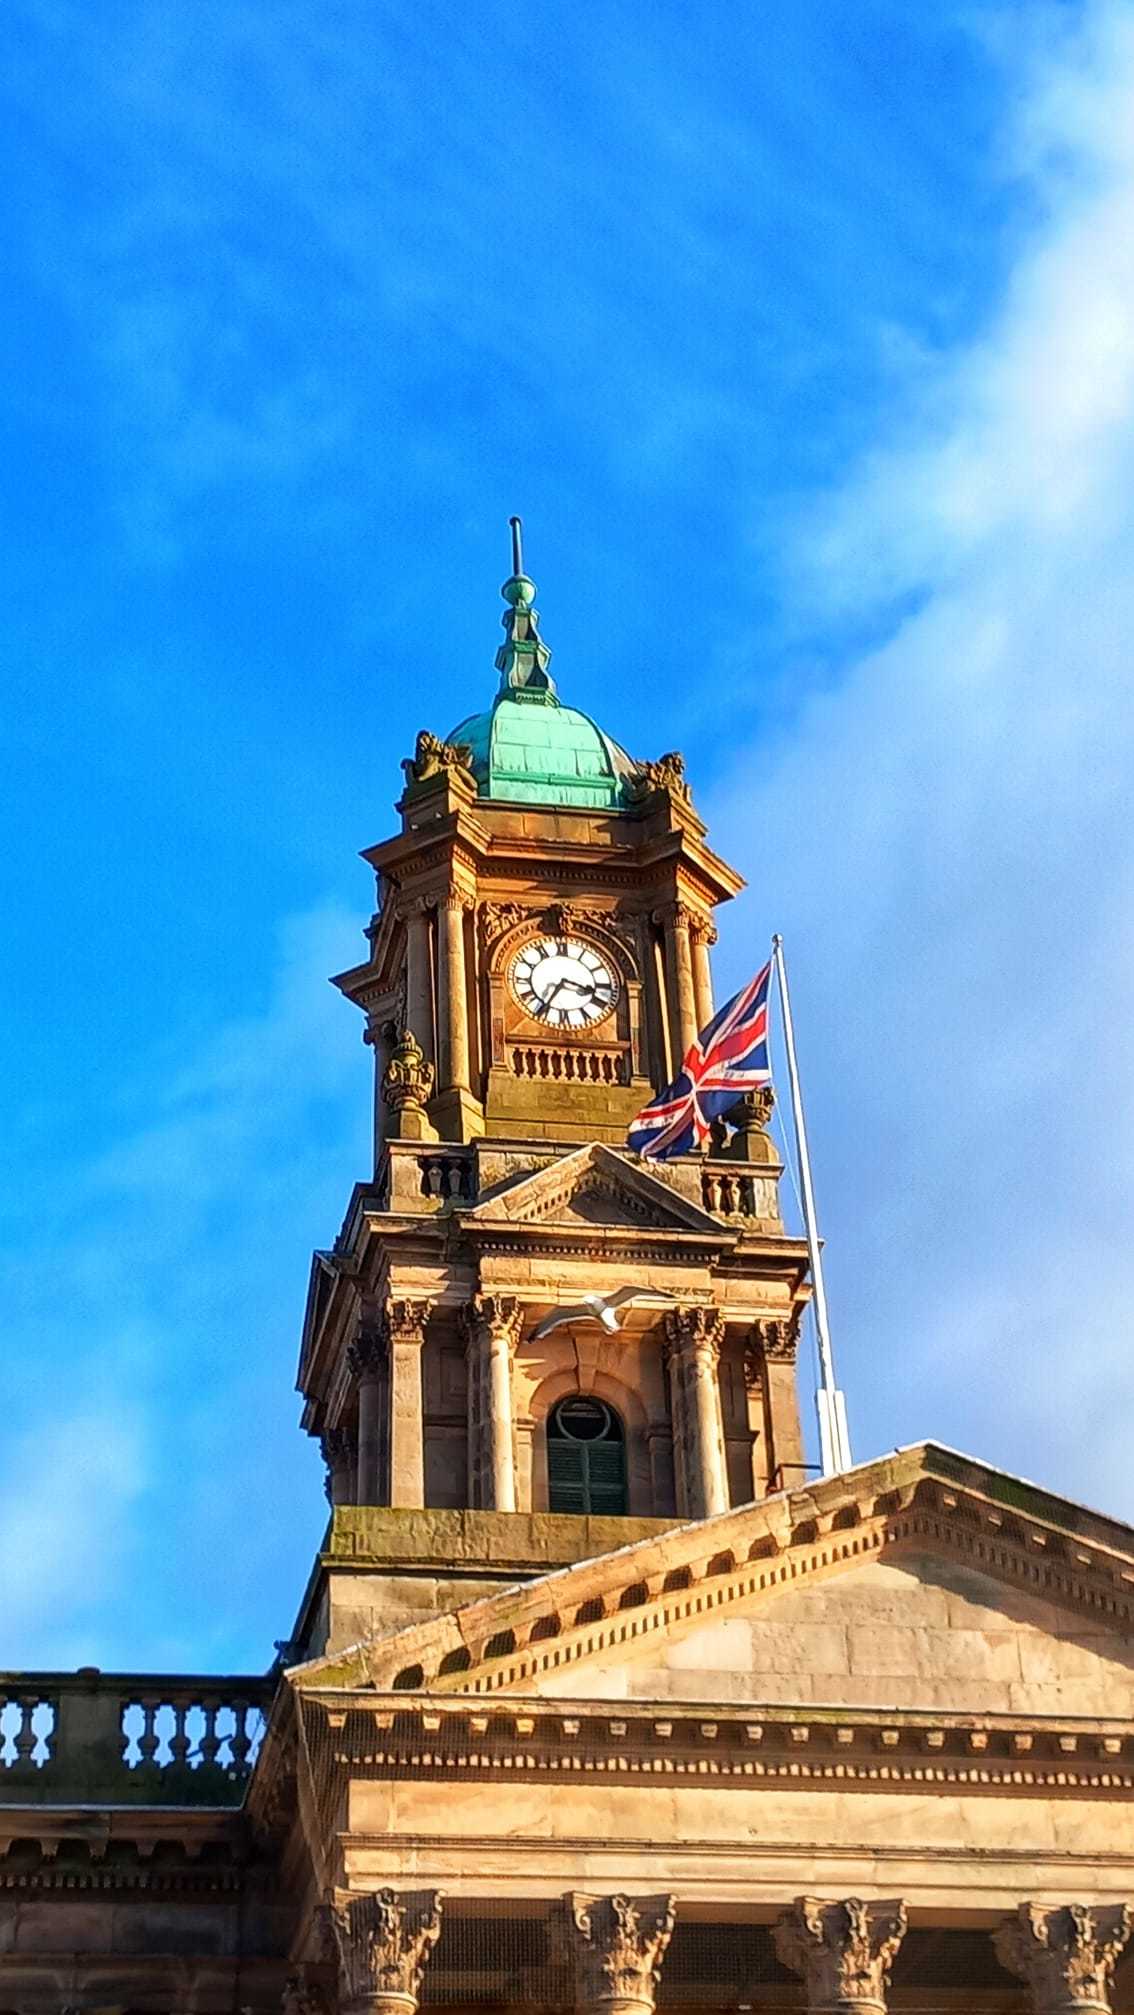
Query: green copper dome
544	754
528	747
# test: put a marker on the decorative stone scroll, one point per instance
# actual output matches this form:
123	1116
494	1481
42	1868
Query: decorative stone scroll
619	1945
384	1942
433	757
844	1951
1066	1954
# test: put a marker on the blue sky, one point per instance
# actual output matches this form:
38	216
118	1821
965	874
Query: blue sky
801	335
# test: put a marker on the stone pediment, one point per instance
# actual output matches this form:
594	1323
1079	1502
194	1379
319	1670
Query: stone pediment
595	1186
920	1585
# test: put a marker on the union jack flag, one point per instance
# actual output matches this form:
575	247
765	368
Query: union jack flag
729	1057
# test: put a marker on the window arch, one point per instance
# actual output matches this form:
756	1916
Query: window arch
586	1457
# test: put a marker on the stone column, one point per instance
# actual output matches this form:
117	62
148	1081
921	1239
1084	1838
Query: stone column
694	1337
384	1942
366	1362
404	1324
419	974
773	1344
340	1450
452	996
493	1323
1066	1953
704	936
378	1037
676	920
619	1944
843	1950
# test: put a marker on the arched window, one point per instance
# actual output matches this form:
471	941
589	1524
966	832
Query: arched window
586	1457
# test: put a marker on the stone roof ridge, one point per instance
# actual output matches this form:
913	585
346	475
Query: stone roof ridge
924	1497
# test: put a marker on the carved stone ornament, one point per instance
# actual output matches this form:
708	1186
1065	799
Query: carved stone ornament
695	1333
407	1080
498	918
492	1315
843	1950
619	1942
366	1356
1065	1954
433	757
302	1996
666	774
384	1942
776	1340
338	1448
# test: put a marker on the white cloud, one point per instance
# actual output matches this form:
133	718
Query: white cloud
152	1324
947	839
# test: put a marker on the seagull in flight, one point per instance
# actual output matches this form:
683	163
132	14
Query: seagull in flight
598	1308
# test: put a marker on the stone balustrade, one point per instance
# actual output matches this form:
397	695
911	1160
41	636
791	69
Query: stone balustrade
138	1739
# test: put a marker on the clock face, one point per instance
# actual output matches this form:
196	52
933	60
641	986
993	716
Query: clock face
564	982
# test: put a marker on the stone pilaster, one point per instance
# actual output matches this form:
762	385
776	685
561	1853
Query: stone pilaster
844	1951
340	1453
492	1324
619	1944
384	1942
419	973
1066	1953
366	1362
771	1354
452	994
694	1337
403	1324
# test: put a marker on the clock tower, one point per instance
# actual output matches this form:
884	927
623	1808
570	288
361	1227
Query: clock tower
538	964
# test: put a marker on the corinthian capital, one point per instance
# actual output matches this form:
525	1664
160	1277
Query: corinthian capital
1065	1954
404	1321
843	1950
367	1354
494	1315
695	1333
620	1942
384	1941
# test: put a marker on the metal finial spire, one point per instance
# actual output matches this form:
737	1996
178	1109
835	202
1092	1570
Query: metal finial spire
522	659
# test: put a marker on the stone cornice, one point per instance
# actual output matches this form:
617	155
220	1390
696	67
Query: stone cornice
920	1499
783	1747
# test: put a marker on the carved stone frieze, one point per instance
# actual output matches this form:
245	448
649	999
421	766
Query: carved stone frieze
1066	1954
844	1951
619	1944
384	1942
433	757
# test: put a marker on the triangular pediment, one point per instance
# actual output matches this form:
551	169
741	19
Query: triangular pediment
924	1582
595	1185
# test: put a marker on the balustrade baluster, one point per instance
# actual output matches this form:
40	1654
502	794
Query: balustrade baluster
25	1734
240	1742
179	1744
210	1741
149	1740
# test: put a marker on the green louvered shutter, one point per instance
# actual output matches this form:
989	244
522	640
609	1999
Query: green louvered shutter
606	1477
567	1475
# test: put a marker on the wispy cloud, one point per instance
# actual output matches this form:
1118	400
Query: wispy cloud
152	1455
946	835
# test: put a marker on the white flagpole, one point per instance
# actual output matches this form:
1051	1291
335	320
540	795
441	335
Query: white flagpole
834	1440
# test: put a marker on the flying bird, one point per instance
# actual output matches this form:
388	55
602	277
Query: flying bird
598	1308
